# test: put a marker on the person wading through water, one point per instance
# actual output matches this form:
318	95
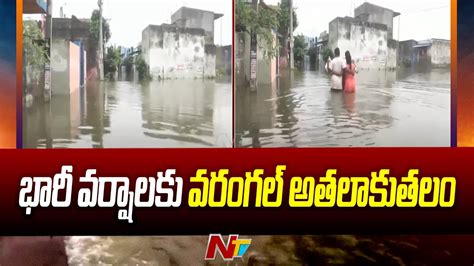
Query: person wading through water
334	67
350	70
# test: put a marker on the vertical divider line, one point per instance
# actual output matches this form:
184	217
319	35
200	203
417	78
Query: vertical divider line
19	74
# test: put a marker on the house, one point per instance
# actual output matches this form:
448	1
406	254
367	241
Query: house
186	17
434	52
368	12
183	49
174	52
368	36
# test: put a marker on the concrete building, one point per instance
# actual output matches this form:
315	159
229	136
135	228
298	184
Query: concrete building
368	36
368	12
435	52
183	49
368	42
174	52
69	55
187	17
426	53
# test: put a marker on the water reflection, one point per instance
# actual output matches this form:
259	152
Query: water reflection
404	108
119	114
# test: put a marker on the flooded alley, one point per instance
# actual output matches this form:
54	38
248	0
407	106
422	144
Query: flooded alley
123	114
403	108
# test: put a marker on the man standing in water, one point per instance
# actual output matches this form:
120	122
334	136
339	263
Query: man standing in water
335	67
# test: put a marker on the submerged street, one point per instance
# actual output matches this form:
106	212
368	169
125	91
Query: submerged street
122	114
403	108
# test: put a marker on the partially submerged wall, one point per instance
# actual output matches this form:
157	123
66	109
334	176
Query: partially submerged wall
65	67
60	67
266	67
172	53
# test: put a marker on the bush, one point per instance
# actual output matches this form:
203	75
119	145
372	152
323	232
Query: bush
143	69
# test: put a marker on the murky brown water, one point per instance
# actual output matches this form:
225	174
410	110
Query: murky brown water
124	114
275	250
388	109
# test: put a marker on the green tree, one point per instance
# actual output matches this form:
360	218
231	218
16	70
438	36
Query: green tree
112	61
284	19
34	45
300	48
327	53
93	47
94	28
248	20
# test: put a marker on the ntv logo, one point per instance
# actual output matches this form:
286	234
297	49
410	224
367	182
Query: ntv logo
235	247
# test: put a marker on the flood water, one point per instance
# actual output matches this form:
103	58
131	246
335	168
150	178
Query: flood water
274	250
123	114
403	108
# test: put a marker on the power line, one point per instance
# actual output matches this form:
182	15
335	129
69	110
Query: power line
426	10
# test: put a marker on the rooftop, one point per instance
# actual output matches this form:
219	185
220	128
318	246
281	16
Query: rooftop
368	5
172	28
216	15
360	22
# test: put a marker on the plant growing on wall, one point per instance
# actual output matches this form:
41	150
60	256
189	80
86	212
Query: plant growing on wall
262	23
35	50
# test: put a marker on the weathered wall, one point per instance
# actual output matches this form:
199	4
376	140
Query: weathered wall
242	58
406	53
440	53
392	47
367	42
177	53
266	67
74	67
376	14
65	67
224	59
194	18
60	67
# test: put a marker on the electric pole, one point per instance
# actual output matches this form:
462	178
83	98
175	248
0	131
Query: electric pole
47	68
101	43
292	58
253	54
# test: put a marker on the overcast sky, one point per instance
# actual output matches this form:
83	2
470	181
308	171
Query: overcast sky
129	17
420	19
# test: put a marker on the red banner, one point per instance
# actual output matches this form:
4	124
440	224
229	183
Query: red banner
285	219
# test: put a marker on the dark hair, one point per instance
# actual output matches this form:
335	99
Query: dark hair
337	52
348	58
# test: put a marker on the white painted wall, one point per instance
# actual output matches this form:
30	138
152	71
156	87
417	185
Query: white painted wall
173	55
441	53
368	46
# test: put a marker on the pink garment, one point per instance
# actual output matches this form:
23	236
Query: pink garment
349	78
